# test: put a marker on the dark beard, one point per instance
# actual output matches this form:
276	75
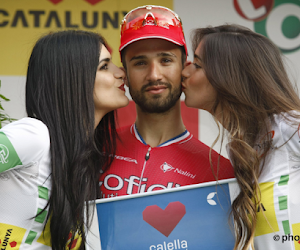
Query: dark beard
156	104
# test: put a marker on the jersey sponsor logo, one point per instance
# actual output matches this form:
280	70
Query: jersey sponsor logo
5	242
114	182
166	167
122	158
265	142
4	177
11	236
8	155
4	153
185	173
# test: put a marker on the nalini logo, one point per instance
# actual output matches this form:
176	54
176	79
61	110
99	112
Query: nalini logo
279	20
166	167
4	153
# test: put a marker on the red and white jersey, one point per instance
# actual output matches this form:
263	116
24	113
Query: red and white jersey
139	168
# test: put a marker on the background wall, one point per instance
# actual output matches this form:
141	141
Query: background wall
22	22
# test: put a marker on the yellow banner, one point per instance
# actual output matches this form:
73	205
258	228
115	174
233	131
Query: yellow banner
22	22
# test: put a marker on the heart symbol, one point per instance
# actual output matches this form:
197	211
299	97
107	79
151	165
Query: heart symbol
92	2
166	220
55	1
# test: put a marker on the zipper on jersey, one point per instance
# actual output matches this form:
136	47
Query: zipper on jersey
147	156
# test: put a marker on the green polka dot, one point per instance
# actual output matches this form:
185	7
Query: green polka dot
30	238
284	179
43	193
282	202
286	227
41	216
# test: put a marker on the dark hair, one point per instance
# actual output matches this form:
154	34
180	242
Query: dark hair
183	56
59	92
247	71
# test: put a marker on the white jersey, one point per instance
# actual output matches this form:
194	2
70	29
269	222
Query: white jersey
24	184
278	222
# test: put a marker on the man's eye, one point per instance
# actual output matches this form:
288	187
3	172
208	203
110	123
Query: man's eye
166	60
140	63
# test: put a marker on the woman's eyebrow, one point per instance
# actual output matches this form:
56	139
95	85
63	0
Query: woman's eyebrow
104	60
197	57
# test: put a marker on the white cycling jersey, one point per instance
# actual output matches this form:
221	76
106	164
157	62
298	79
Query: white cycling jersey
278	221
25	185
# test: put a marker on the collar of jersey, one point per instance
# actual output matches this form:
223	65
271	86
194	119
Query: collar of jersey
175	139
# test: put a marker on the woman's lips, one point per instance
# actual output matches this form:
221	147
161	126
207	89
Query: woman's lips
122	87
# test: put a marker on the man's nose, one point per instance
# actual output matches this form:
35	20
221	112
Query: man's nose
155	72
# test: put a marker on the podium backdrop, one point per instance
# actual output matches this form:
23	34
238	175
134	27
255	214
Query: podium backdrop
22	22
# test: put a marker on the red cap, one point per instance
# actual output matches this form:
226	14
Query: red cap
151	22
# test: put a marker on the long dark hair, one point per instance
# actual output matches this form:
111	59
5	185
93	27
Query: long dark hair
247	71
59	92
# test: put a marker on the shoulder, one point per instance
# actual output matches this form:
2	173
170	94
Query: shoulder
26	128
205	150
194	145
287	118
26	137
198	143
125	132
286	123
124	129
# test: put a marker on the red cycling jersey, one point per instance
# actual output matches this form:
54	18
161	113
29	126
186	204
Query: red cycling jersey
139	168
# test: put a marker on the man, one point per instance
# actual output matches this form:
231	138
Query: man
157	152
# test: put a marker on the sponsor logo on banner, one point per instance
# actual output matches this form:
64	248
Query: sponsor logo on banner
210	200
30	19
279	20
165	221
60	19
253	10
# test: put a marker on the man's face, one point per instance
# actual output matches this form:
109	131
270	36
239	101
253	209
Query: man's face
154	74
